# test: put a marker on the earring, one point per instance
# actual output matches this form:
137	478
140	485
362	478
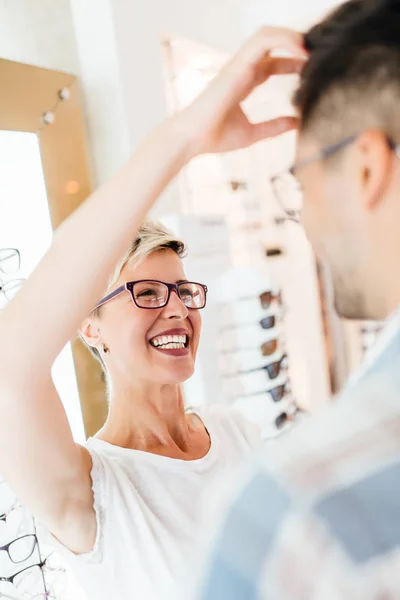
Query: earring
105	349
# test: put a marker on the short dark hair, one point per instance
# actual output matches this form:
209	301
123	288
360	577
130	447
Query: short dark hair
352	79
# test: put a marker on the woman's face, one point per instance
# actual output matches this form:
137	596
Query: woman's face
129	332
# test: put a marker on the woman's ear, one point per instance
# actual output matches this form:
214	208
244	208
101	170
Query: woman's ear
90	332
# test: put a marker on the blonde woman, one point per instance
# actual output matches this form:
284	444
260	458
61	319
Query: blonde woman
125	507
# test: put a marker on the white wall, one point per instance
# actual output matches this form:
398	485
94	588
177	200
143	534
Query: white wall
38	32
121	60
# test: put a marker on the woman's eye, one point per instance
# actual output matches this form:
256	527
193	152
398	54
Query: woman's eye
148	292
186	293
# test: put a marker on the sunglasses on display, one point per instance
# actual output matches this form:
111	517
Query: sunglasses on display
273	369
269	348
266	323
277	393
266	299
266	349
238	185
153	294
291	415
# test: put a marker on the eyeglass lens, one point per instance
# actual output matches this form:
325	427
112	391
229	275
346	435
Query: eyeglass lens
268	322
277	393
270	347
266	299
28	582
21	549
10	260
153	294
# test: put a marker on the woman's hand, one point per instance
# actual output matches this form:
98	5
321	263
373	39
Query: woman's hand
216	119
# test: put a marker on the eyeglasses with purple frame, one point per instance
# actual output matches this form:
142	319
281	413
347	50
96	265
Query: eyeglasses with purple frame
199	290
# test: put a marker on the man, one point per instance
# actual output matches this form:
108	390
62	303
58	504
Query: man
323	522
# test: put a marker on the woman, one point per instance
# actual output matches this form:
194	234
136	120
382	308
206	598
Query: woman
126	506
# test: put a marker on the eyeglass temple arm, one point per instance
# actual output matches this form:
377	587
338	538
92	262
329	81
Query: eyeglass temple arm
113	294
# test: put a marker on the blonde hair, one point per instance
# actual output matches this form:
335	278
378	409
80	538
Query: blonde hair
152	237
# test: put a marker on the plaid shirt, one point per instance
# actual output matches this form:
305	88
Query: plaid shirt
323	521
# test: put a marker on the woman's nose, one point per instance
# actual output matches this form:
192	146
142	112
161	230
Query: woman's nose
175	307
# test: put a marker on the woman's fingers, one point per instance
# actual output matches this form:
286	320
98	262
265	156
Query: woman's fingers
269	39
270	129
277	66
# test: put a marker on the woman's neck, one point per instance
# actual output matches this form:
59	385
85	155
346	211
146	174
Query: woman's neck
149	418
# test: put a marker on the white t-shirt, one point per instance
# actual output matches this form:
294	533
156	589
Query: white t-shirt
149	511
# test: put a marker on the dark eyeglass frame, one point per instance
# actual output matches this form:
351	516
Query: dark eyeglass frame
13	251
277	393
273	369
11	578
321	155
129	287
6	548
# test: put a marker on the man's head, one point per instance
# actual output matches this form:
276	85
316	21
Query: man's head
351	87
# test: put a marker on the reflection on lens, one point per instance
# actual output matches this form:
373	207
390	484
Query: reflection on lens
150	294
192	295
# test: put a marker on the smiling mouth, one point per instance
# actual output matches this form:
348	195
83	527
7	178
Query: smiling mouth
170	342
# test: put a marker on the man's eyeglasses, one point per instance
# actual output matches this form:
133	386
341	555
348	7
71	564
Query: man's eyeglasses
10	260
287	188
150	294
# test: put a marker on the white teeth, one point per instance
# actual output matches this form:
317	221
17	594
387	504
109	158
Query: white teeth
170	341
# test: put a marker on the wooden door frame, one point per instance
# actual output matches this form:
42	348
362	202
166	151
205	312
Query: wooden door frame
27	92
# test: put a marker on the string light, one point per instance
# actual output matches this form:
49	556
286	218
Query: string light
49	116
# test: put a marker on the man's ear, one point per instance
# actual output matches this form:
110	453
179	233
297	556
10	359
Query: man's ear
375	161
90	332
